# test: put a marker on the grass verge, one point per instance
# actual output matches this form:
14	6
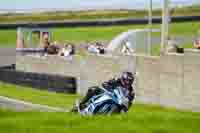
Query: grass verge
93	14
140	119
155	50
37	96
85	34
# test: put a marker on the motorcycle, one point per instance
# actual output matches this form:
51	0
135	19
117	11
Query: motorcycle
108	102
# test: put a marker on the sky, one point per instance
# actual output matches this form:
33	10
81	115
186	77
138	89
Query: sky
83	4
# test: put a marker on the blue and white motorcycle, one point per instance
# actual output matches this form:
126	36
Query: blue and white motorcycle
108	102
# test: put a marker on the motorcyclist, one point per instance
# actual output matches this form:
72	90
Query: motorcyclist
124	81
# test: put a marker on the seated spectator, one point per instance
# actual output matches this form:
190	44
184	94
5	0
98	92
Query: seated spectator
67	50
97	48
93	49
100	47
52	50
172	46
196	43
179	49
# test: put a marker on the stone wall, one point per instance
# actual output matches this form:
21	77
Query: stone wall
148	78
90	70
7	56
96	69
191	82
169	80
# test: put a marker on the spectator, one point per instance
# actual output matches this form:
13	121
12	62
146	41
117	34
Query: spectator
52	49
45	41
196	43
93	49
73	51
67	50
98	48
172	46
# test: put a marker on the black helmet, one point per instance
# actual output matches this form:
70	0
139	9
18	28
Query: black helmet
127	78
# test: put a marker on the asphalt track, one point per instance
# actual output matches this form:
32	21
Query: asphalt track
19	105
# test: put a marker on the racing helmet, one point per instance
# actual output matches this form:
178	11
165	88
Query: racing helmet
127	78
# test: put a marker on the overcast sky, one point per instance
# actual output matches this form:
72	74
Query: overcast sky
83	4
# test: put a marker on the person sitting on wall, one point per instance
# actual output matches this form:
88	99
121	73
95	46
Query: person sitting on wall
172	46
96	48
100	47
196	43
93	49
52	50
68	50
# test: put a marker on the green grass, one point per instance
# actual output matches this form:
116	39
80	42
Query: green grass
140	119
84	34
93	14
89	34
155	50
184	29
73	15
8	38
79	34
37	96
189	46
